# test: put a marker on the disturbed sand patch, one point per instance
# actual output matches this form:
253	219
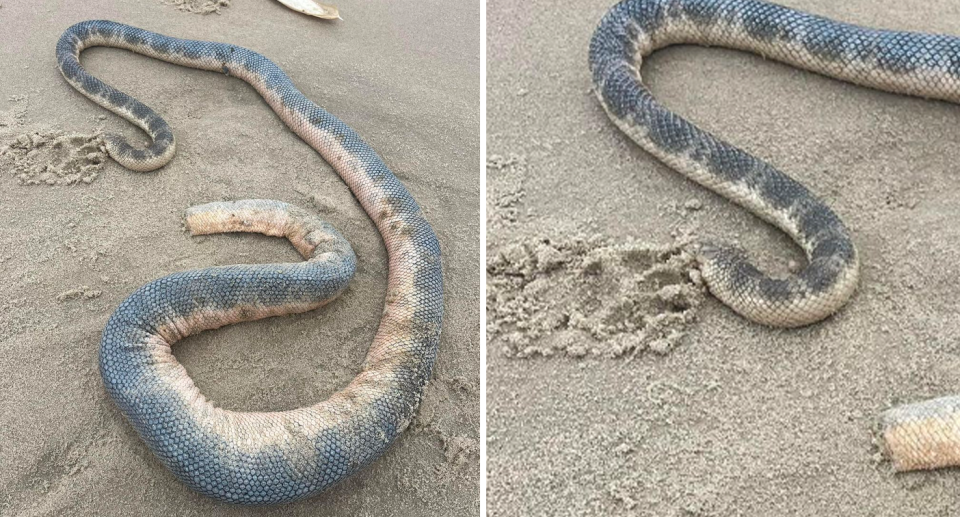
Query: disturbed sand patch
84	292
589	296
198	6
53	158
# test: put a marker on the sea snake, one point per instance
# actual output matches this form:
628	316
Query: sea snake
263	458
923	435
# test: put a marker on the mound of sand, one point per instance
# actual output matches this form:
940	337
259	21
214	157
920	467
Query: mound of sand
199	6
588	295
53	158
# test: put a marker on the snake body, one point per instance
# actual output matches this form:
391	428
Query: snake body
916	436
246	457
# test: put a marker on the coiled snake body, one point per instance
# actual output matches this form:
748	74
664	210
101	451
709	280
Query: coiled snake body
261	458
915	436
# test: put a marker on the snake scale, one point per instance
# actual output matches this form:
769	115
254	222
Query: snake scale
922	435
247	457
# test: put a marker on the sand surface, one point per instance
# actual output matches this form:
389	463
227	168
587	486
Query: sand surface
405	75
726	417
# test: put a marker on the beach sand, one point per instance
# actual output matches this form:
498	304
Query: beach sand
671	404
405	75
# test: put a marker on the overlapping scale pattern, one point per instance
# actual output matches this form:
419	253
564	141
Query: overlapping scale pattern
263	458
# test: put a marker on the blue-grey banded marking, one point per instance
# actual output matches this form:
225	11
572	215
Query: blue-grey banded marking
263	458
924	435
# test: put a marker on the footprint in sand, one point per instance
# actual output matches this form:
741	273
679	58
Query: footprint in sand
53	158
589	296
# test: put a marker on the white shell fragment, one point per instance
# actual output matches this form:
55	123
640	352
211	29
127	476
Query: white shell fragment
313	8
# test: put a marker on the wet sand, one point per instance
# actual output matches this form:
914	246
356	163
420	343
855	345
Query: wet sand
405	75
729	418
